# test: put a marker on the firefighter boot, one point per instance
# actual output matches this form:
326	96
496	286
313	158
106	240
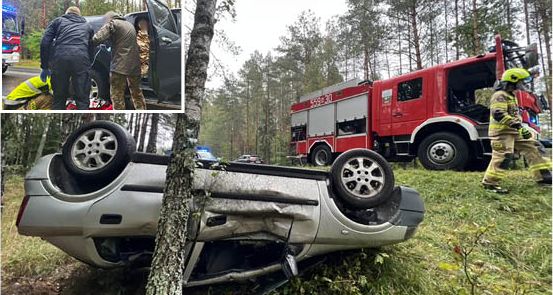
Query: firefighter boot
495	189
545	178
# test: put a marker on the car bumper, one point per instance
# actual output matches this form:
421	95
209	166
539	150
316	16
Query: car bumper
10	58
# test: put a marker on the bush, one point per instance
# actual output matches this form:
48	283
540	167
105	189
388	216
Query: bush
31	44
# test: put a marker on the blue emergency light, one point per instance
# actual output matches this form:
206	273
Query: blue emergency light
4	47
203	148
8	8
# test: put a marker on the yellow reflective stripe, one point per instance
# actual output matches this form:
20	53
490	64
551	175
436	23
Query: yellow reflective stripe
499	105
506	119
497	126
495	174
541	166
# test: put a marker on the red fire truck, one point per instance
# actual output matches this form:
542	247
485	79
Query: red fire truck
11	35
432	114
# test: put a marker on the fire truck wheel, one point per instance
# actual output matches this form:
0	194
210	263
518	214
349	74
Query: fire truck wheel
321	155
443	151
99	149
362	178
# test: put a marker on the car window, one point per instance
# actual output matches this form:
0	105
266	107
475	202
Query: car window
408	90
163	19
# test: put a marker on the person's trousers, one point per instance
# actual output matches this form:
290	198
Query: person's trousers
74	69
118	84
503	148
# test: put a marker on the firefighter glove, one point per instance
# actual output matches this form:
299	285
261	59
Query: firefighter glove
44	74
516	125
525	133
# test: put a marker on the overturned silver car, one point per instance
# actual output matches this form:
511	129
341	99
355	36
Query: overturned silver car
99	201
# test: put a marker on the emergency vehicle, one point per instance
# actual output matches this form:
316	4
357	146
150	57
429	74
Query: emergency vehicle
11	35
432	114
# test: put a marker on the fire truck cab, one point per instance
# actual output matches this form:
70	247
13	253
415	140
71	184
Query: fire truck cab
437	114
11	36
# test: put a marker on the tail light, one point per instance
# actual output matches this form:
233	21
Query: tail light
21	210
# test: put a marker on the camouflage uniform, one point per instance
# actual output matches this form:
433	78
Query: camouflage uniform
125	61
143	41
505	140
118	84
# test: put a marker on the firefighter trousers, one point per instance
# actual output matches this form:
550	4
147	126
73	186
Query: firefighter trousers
503	148
119	84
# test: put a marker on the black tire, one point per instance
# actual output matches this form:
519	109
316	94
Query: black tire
99	81
74	151
371	191
443	151
321	155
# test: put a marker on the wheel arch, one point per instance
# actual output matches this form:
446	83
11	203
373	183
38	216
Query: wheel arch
453	124
318	143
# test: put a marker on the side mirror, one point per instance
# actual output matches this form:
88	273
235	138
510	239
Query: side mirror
289	266
531	56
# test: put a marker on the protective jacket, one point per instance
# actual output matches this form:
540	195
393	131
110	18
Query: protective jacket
504	113
125	53
67	35
29	89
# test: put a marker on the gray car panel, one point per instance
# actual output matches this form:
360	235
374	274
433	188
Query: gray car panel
299	209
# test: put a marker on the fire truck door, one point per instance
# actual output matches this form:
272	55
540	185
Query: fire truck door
408	104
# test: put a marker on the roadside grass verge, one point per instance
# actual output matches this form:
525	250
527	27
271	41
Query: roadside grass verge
24	256
513	256
28	63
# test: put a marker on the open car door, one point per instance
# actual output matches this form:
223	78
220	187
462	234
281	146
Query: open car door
166	51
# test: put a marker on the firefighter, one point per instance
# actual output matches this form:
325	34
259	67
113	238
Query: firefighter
32	94
125	62
143	41
507	134
66	49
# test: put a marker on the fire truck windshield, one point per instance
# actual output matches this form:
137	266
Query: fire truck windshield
9	23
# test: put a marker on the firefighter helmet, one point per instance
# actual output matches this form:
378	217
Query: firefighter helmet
516	75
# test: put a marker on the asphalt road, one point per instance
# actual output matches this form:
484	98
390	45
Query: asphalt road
16	75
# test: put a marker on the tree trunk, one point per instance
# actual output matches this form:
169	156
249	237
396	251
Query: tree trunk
42	139
527	22
143	132
166	275
137	125
416	40
475	36
152	139
457	53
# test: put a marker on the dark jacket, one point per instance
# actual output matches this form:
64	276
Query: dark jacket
67	35
125	58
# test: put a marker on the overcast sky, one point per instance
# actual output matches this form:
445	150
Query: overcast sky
258	26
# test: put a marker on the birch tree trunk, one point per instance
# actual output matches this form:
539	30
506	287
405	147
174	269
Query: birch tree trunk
166	275
143	132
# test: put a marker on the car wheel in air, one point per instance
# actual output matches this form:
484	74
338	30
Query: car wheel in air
99	85
321	155
443	151
99	149
362	178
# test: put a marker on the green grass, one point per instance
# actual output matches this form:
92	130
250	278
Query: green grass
24	256
28	63
512	257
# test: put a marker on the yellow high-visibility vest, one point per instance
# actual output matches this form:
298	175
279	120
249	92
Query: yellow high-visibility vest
29	89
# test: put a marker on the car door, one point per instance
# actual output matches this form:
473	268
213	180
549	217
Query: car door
166	52
408	104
